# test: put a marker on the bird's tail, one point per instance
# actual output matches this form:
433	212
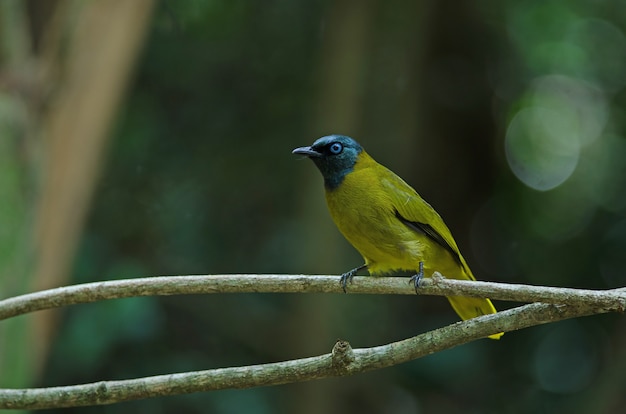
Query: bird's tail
468	308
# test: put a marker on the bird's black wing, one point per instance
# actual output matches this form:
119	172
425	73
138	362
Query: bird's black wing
415	213
431	233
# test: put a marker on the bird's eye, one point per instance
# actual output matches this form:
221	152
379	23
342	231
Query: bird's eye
336	148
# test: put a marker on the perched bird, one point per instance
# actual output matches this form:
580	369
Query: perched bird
387	221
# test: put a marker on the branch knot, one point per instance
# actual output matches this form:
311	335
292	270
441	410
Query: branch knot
342	355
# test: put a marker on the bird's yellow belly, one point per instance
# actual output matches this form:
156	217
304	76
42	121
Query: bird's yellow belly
371	227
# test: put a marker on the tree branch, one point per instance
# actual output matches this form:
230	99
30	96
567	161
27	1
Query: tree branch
614	299
343	360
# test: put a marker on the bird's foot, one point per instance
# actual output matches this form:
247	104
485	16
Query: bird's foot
415	279
348	276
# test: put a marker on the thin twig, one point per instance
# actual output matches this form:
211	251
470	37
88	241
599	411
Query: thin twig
342	361
561	303
614	299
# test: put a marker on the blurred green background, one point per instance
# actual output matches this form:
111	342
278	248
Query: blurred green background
141	139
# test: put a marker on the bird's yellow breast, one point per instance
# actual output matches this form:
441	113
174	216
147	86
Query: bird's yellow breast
363	210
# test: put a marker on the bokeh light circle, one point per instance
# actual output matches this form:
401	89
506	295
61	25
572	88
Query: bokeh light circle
542	147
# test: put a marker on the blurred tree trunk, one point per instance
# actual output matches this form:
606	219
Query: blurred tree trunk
346	95
65	67
342	57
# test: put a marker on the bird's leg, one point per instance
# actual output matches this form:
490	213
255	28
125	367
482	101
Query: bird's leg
415	279
347	277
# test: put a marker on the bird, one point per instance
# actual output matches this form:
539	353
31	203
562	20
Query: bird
387	221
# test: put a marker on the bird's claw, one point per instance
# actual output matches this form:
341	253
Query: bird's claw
348	276
345	279
415	279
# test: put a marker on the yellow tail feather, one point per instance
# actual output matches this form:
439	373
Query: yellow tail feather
468	308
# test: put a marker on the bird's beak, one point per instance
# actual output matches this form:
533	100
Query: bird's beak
308	151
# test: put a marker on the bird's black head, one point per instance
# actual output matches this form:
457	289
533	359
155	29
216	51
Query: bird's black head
334	155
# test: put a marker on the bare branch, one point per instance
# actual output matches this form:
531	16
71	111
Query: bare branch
342	361
184	285
560	303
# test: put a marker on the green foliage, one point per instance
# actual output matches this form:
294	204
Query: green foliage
507	116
